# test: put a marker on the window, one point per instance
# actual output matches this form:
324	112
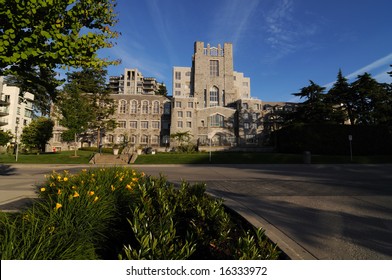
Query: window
246	125
245	84
188	74
217	120
178	85
166	108
246	116
122	107
155	108
144	139
214	68
178	104
188	124
177	93
190	104
145	107
178	75
144	124
133	124
245	105
122	124
155	139
133	139
18	111
214	99
179	124
133	107
188	114
155	124
256	107
110	138
179	114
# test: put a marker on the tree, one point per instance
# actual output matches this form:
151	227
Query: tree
74	113
85	103
315	108
162	90
342	99
42	83
370	97
5	137
37	37
38	133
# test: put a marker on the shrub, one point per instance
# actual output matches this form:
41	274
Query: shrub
120	213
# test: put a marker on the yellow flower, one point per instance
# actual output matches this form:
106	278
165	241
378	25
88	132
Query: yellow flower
74	187
142	174
129	186
84	170
58	191
135	179
52	184
90	193
58	205
113	188
95	199
43	189
51	229
76	194
59	178
65	179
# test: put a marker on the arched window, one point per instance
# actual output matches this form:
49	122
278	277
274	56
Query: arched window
122	107
155	107
217	121
133	107
214	97
145	107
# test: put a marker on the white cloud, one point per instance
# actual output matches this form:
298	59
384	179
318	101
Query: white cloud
381	75
234	20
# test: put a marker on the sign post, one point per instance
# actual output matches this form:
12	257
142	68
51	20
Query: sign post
350	138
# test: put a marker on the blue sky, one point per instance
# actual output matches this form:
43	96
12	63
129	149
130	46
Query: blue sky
279	44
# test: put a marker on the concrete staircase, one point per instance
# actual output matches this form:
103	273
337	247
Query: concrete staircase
108	159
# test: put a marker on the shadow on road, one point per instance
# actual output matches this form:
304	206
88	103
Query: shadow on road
7	170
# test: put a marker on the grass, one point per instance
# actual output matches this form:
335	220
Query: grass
66	157
254	158
119	213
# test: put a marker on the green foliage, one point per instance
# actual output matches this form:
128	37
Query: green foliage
47	34
5	137
37	133
118	212
37	37
85	102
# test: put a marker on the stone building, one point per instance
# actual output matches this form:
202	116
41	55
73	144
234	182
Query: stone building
210	100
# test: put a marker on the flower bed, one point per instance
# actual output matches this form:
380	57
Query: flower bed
118	213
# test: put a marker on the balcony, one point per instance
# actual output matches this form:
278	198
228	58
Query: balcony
3	121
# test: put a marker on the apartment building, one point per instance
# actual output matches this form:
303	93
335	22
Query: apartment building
16	110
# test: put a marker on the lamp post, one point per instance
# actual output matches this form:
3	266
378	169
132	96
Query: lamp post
350	138
16	142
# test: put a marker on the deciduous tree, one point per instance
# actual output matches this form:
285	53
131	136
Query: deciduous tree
38	133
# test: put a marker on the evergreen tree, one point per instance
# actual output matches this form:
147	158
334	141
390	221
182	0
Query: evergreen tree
342	100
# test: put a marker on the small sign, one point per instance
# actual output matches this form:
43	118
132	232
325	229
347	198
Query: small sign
350	138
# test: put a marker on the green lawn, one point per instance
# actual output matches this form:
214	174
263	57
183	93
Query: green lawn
253	158
49	158
197	158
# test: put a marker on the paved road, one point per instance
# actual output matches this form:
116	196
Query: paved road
311	211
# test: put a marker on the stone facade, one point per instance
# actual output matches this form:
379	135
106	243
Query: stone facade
209	100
